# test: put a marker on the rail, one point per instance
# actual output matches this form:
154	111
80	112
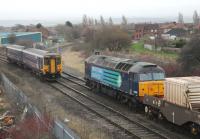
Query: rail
130	127
75	79
3	58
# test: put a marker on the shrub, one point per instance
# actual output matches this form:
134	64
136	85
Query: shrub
190	55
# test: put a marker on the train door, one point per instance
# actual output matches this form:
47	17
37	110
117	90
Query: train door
53	65
131	83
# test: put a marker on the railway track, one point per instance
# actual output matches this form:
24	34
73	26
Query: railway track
73	76
77	80
133	129
3	58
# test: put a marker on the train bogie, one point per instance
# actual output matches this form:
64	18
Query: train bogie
174	113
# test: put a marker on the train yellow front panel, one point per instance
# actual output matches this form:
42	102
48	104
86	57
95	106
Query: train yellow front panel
59	68
53	65
152	88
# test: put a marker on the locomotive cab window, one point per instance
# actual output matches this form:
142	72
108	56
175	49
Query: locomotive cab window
151	76
145	76
158	76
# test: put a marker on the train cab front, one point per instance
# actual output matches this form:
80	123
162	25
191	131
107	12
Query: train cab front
52	68
151	82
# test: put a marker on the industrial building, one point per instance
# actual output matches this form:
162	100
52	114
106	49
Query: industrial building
29	36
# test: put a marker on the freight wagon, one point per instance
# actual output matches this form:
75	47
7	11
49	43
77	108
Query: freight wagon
181	102
129	80
46	65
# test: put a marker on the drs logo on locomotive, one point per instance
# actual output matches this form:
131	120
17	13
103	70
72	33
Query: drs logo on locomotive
105	76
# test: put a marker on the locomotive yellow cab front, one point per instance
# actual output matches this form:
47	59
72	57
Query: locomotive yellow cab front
151	88
151	84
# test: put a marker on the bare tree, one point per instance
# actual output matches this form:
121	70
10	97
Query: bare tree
124	20
85	20
195	18
95	22
110	21
180	18
111	38
91	21
26	43
12	38
102	21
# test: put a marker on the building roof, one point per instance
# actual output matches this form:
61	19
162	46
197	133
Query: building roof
146	26
6	34
177	32
172	25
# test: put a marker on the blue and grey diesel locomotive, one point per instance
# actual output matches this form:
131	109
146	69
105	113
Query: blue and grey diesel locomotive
129	80
46	65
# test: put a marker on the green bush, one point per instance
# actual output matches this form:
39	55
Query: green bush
180	43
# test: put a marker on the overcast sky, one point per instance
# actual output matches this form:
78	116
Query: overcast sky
63	9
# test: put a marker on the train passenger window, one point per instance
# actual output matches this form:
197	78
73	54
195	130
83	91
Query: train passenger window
146	77
58	60
158	76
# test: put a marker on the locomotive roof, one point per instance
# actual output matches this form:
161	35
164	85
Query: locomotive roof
121	64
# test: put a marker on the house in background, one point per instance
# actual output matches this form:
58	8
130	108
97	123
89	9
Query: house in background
165	27
145	29
174	34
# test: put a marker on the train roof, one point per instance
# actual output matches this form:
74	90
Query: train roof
122	64
38	52
15	47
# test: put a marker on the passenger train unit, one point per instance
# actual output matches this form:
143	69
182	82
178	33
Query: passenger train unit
46	65
130	80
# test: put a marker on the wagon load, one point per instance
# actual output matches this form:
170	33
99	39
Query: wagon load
183	91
